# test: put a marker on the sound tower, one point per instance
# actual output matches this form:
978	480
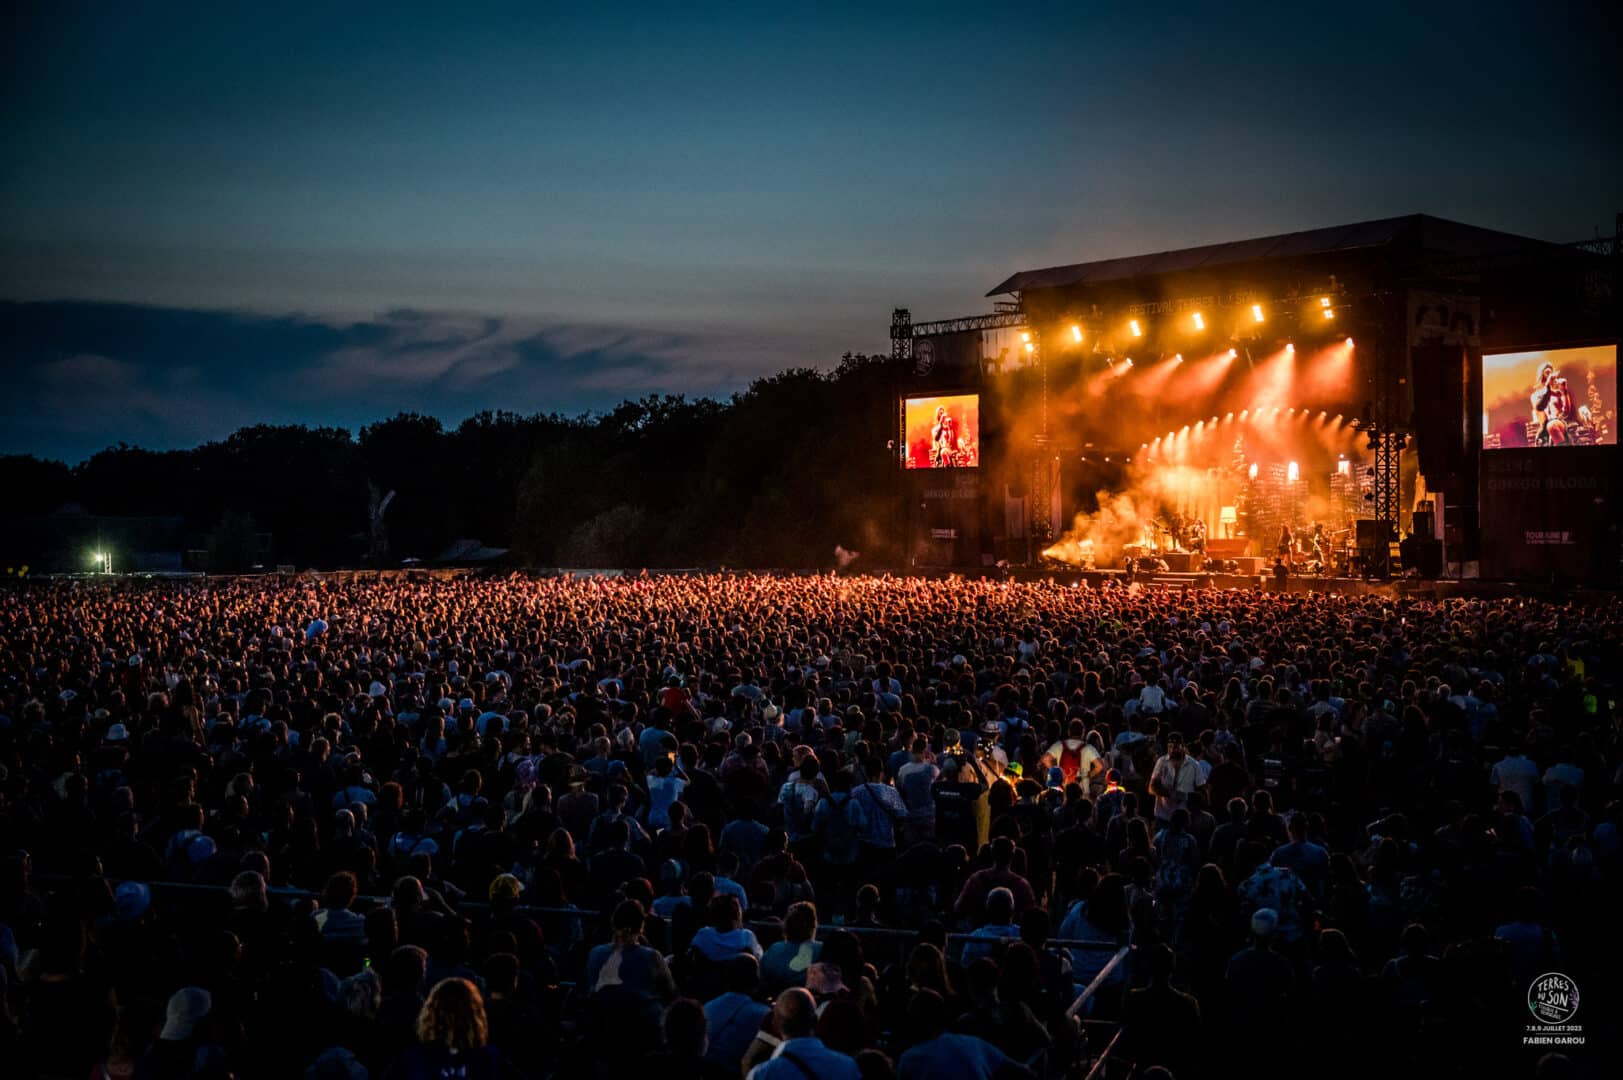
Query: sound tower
1374	538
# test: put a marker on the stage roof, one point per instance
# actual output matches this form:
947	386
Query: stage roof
1427	233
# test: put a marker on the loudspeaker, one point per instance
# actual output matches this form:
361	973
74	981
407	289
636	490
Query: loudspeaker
1430	560
1425	524
1373	533
1374	546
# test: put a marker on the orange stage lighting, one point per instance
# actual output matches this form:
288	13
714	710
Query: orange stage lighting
1328	374
1153	379
1076	333
1256	312
1199	321
1132	324
1273	380
1202	377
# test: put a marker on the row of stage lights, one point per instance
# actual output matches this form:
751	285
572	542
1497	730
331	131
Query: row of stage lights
1231	353
1197	323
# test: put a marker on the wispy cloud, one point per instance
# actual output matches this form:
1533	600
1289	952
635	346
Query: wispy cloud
77	377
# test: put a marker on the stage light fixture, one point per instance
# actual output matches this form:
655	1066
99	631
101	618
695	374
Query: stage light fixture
1031	347
1256	312
1076	333
1129	361
1329	313
1290	347
1132	324
1232	354
1025	335
1324	301
1349	343
1200	321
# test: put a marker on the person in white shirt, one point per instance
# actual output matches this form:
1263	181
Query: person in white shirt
1562	774
1516	772
1152	699
1173	779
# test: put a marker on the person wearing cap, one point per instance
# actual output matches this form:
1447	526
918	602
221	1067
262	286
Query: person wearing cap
182	1047
1276	889
1174	777
995	757
1259	979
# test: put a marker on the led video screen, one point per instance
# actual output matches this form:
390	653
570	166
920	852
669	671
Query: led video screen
942	432
1552	397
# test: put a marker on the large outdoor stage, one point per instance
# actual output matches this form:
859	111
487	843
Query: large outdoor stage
1402	396
1411	587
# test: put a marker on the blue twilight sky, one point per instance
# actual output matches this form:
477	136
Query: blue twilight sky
229	213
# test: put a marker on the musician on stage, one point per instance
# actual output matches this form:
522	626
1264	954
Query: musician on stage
1552	406
1286	547
1320	556
943	439
1197	535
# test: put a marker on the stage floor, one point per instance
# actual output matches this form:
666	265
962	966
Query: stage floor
1417	587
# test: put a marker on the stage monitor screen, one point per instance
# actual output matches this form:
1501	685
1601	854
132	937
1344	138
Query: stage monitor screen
943	432
1553	397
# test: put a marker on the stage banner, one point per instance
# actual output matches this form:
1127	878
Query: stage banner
946	517
1551	516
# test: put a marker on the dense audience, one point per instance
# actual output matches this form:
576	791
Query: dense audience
797	828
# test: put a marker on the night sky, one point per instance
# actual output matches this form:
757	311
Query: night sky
210	218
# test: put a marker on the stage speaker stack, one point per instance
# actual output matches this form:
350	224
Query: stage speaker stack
1374	546
1430	561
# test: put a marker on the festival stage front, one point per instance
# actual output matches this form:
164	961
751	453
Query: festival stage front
1397	397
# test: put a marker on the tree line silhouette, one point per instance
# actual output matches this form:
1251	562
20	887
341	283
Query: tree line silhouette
775	476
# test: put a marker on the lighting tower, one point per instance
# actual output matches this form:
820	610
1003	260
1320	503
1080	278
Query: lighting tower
901	334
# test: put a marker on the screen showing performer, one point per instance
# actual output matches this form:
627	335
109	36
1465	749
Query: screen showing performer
1553	397
943	432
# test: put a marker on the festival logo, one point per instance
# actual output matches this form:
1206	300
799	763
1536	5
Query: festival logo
1553	1001
1553	998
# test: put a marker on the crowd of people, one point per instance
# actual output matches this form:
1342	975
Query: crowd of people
798	828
